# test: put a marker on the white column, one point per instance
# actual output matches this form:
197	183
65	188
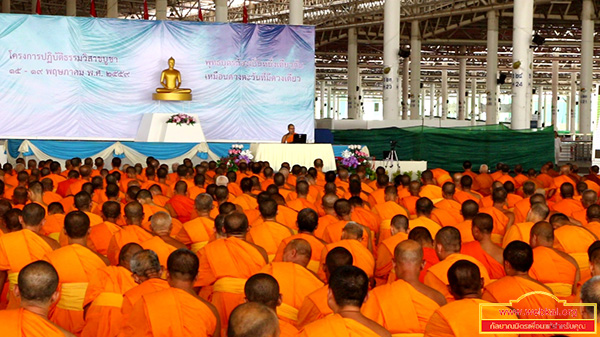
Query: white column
479	102
322	112
33	6
296	12
352	74
573	102
522	32
5	6
422	105
444	93
587	53
555	94
540	109
405	93
473	96
391	46
415	70
329	107
221	10
112	8
462	83
431	100
71	8
491	104
336	105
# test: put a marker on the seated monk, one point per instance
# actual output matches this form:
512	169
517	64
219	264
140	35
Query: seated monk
483	249
465	193
101	234
590	293
518	259
410	202
447	248
390	207
555	269
104	296
538	212
418	300
567	205
253	319
162	243
385	252
484	179
424	208
522	206
430	258
38	291
461	317
177	310
351	236
197	232
448	203
430	189
180	206
246	200
132	232
301	202
348	289
511	198
503	218
378	196
573	240
55	220
468	210
588	198
296	281
76	265
593	219
314	306
269	234
333	232
170	79
289	137
264	289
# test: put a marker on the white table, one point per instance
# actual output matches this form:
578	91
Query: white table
301	154
154	128
405	166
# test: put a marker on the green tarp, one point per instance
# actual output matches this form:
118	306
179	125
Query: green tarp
447	148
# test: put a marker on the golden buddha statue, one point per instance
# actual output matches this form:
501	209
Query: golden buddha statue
170	79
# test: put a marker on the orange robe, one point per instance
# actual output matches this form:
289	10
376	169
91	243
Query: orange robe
520	231
53	226
500	222
287	216
316	246
568	207
124	236
269	236
512	287
246	202
336	325
495	269
388	210
300	204
24	323
197	233
575	240
50	197
314	307
362	257
170	312
226	264
101	234
410	203
286	329
377	197
437	275
433	192
422	221
160	247
295	283
554	271
521	209
446	218
105	296
18	249
451	207
460	319
133	295
366	218
75	265
385	257
431	259
183	207
593	227
324	222
462	196
485	182
465	229
382	307
333	233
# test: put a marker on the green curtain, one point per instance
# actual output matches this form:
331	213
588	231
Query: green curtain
447	148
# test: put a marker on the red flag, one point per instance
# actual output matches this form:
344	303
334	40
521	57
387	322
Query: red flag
200	12
38	8
146	16
245	14
93	8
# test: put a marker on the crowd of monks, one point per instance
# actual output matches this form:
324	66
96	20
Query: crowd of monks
200	250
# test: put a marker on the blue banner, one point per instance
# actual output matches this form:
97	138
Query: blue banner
88	78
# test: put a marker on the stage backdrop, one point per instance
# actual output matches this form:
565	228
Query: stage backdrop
85	78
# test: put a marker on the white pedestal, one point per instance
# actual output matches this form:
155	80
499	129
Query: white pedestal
154	128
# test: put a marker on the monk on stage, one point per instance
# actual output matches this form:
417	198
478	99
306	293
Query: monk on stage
76	265
226	265
177	310
447	248
104	296
21	247
518	259
385	252
37	291
264	289
483	249
348	289
556	269
289	137
460	318
418	300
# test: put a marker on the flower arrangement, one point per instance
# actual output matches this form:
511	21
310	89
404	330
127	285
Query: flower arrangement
236	155
353	157
182	119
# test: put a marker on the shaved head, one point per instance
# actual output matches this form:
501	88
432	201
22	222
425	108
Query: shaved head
37	282
352	230
588	198
203	202
337	257
464	278
127	252
593	213
408	251
161	222
449	239
469	209
329	200
264	289
544	232
253	320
